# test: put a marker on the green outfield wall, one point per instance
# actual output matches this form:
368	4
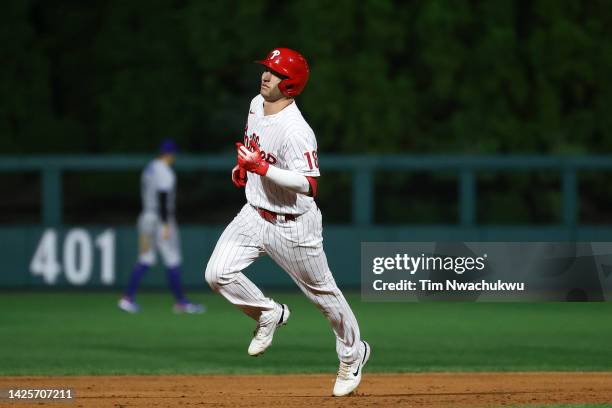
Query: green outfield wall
102	256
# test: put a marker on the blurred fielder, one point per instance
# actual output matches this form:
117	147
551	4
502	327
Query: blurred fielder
157	231
278	164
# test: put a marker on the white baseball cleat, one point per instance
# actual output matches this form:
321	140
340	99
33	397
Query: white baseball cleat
188	308
264	332
349	375
128	305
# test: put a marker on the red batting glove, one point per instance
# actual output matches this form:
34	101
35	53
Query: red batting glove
239	176
252	160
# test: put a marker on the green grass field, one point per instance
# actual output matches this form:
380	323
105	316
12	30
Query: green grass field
73	334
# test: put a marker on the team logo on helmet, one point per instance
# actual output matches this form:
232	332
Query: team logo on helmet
275	54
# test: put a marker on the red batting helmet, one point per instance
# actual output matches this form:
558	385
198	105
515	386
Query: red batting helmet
290	64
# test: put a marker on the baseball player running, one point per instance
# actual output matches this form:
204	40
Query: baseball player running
157	230
277	162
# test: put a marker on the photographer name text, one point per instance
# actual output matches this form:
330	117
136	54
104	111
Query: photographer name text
447	285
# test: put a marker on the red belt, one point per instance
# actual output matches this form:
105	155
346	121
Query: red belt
271	216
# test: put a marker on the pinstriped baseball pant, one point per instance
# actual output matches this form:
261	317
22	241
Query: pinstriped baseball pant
297	247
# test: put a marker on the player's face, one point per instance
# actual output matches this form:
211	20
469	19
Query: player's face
269	86
169	158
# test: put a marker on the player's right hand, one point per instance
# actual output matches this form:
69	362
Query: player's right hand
144	244
251	159
239	176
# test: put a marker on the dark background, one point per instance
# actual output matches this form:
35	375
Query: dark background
438	77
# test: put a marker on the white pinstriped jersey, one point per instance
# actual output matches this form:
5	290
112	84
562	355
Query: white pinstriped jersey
287	143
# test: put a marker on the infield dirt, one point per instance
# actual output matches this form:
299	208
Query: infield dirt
376	390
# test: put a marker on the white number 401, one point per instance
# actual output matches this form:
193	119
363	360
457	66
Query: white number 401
77	256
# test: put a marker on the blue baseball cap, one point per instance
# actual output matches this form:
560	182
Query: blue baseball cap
168	146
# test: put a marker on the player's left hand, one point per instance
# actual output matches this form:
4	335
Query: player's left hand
165	233
252	160
239	176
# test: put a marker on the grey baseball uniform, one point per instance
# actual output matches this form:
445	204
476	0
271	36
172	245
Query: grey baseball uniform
294	243
158	177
